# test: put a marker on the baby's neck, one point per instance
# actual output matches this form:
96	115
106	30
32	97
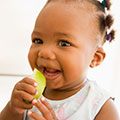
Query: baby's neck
62	94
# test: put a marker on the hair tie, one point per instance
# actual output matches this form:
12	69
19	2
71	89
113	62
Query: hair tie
106	23
109	37
104	4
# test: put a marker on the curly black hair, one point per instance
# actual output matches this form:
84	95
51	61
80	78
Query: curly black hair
105	21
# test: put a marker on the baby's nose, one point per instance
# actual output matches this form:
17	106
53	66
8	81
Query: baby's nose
46	53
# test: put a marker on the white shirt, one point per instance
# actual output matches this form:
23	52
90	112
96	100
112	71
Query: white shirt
84	105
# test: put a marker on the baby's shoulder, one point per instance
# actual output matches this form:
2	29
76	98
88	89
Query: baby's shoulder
105	108
108	111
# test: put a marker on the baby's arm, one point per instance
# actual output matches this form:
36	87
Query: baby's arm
23	90
6	114
108	112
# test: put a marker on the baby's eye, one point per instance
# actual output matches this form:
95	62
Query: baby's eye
64	43
37	41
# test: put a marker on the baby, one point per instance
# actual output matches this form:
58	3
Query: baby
67	39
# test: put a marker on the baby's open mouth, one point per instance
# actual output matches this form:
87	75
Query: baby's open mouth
50	73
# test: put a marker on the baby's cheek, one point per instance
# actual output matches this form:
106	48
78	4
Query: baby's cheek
31	58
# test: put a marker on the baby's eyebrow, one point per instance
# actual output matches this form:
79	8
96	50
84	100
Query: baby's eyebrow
61	34
36	33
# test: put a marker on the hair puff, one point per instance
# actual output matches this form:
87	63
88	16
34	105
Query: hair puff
109	21
108	3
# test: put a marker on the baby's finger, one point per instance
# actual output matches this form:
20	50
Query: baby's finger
30	81
35	116
27	87
43	109
23	105
22	95
44	101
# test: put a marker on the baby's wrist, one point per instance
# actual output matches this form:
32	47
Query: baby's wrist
15	112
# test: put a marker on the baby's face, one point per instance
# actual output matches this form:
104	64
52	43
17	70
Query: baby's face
63	45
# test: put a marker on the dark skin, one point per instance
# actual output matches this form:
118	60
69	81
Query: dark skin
77	45
47	48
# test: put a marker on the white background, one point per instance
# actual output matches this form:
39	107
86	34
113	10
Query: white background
17	18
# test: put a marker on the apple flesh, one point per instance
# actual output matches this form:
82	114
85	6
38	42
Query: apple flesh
41	81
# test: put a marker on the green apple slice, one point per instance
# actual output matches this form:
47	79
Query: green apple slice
41	81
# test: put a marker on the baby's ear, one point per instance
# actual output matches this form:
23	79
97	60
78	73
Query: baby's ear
98	58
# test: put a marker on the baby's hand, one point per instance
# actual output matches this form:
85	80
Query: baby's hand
23	90
45	108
